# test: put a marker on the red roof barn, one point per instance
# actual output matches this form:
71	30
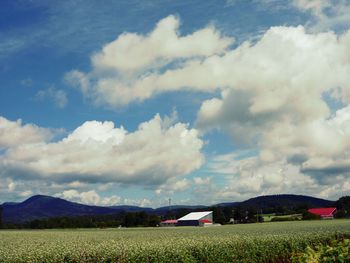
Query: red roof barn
169	222
325	213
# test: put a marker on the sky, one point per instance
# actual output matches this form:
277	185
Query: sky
135	102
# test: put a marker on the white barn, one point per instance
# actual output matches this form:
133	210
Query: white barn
196	219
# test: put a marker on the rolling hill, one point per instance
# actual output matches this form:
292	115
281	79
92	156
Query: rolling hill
41	206
285	200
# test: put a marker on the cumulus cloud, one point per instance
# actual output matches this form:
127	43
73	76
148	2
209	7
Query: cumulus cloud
315	6
93	198
89	197
131	51
58	96
277	102
283	57
327	14
126	70
274	100
202	180
173	186
100	152
275	93
252	177
15	133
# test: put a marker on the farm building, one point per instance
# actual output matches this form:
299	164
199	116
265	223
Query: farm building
169	222
325	213
196	219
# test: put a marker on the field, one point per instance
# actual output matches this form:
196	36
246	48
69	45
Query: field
268	217
265	242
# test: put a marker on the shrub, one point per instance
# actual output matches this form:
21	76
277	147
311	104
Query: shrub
309	216
336	251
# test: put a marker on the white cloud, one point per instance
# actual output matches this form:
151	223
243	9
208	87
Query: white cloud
202	180
286	73
58	96
97	131
327	14
309	158
272	98
14	133
125	70
252	177
93	198
316	6
284	61
11	186
275	102
131	51
173	186
89	197
99	152
26	193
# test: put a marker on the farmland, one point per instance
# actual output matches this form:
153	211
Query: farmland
233	243
269	217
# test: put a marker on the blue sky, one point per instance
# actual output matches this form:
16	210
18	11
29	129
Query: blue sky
135	102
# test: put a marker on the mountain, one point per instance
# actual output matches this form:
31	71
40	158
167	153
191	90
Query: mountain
41	206
270	202
176	207
228	204
131	208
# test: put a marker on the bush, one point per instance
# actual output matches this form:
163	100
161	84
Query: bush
282	219
309	216
336	251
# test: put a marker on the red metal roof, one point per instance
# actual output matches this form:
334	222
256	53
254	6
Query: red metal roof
170	221
323	211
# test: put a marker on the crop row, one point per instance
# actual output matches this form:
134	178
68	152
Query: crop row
265	242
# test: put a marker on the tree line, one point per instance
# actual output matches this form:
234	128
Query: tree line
221	214
1	216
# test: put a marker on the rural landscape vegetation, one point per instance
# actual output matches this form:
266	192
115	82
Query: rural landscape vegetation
174	131
265	229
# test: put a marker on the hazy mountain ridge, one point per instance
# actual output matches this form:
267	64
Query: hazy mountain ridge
40	207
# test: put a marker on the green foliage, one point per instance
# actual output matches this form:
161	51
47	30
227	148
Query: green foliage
310	216
1	216
343	207
130	219
283	218
232	243
336	251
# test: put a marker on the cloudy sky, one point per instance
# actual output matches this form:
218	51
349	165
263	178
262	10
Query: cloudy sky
134	102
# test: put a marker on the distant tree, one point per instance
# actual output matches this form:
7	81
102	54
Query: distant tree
219	215
281	219
343	207
1	216
309	216
239	214
244	214
154	220
340	214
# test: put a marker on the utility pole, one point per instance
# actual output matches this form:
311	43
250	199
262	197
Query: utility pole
169	209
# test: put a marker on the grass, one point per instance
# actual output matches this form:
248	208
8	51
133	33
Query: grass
264	242
269	217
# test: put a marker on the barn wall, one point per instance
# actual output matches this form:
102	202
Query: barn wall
188	223
208	217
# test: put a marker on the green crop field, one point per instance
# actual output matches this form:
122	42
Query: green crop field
268	217
265	242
